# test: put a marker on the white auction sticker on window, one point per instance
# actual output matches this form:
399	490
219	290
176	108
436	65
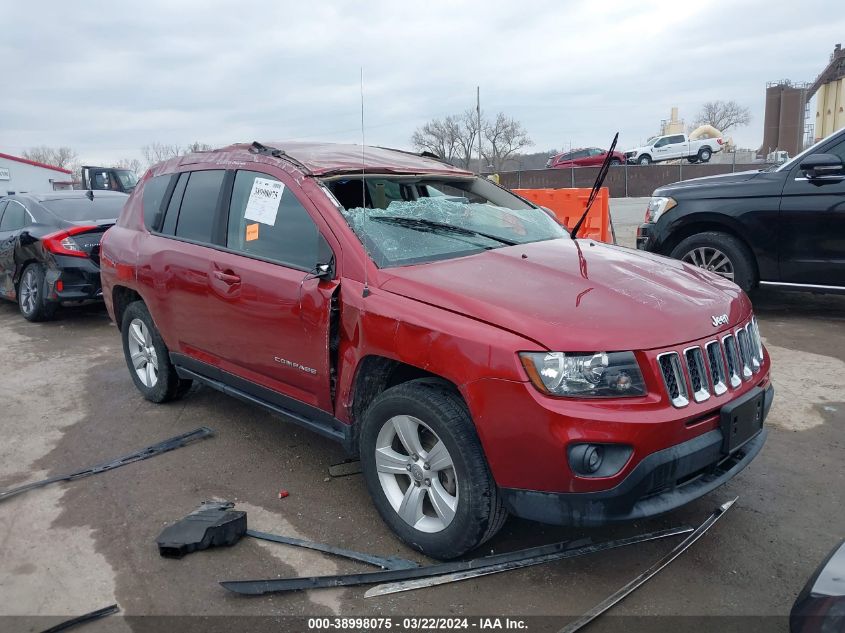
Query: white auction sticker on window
264	199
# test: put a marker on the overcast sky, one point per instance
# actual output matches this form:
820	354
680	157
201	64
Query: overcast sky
106	79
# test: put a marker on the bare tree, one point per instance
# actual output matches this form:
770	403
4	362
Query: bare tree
63	157
130	163
439	136
196	146
722	115
504	137
157	152
467	136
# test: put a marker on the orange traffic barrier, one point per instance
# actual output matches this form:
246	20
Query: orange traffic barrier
569	204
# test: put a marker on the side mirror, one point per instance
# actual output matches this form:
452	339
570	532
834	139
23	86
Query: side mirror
821	165
323	271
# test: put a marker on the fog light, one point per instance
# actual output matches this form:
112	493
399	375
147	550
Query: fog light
592	459
598	460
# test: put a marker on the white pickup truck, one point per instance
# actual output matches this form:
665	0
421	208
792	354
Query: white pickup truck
673	147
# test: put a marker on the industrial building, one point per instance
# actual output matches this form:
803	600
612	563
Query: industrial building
829	89
784	123
21	175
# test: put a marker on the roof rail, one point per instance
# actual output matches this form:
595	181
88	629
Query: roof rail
258	148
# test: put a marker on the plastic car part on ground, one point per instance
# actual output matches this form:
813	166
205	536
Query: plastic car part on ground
82	619
540	554
136	456
632	586
214	523
820	607
378	561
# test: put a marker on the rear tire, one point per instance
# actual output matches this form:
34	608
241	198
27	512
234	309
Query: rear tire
147	357
446	495
704	155
32	295
720	253
615	162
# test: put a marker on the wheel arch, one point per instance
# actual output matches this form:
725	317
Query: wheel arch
122	297
375	374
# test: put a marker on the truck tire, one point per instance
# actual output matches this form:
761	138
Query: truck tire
147	357
704	155
719	253
426	471
32	295
645	159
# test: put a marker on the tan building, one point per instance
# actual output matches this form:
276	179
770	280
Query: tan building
829	89
674	125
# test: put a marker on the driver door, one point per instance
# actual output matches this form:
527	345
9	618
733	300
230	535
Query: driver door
812	226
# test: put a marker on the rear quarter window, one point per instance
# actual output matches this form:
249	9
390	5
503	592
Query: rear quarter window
153	196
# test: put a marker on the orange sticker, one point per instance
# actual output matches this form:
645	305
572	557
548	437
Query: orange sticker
251	232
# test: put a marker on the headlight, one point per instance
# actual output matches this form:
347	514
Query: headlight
599	375
656	207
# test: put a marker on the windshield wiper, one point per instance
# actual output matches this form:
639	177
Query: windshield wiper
596	186
422	224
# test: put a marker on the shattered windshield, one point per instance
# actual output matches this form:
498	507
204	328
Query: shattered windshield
410	220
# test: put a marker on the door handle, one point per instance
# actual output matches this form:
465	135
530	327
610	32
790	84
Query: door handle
227	277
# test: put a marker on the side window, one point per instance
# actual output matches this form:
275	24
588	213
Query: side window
267	220
154	191
172	213
14	217
662	142
837	150
676	139
2	206
196	213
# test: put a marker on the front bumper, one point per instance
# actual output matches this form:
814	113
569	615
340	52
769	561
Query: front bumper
661	482
643	233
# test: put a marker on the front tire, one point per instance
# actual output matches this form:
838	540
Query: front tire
719	253
644	160
147	357
426	471
32	295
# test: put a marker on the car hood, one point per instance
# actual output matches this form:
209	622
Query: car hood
577	295
719	180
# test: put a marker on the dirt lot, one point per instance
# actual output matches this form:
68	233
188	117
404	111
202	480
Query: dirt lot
67	401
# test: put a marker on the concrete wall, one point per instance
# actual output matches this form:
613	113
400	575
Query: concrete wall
25	178
631	180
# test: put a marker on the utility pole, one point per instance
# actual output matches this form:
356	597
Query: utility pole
478	111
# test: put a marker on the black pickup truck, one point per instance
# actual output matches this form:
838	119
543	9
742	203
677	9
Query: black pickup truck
783	226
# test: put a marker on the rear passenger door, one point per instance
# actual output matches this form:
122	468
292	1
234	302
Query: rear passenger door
179	256
273	329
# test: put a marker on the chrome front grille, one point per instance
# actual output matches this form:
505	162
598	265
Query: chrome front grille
744	353
697	374
716	362
673	377
713	369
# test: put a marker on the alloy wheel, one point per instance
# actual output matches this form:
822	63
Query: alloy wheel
711	259
416	473
143	353
29	291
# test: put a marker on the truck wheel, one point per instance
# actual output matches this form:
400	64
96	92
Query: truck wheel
704	154
645	159
32	295
720	253
426	471
147	357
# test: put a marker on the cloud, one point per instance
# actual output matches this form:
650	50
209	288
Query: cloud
107	79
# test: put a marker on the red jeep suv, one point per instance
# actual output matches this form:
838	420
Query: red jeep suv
477	359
